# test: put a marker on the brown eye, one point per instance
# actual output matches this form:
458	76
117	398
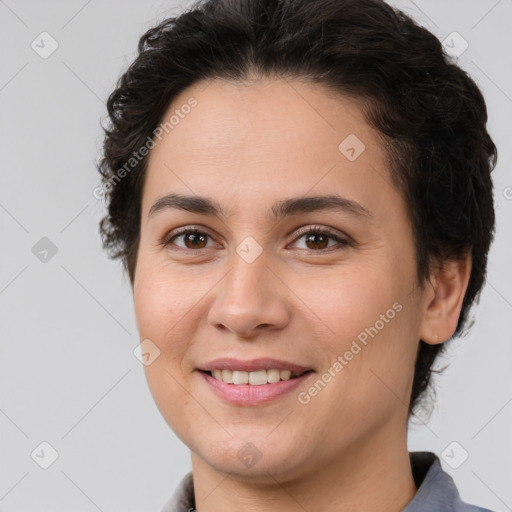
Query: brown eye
192	239
195	240
317	239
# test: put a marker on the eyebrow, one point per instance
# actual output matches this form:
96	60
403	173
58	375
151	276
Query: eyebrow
282	208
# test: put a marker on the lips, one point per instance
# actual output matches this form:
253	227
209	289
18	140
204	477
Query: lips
250	395
252	382
253	365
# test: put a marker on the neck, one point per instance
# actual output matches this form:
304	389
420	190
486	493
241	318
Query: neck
375	476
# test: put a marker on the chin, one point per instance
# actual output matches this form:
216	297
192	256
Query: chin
255	457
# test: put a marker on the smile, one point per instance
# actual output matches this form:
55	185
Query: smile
246	394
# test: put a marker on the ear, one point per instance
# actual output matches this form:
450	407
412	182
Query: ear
443	300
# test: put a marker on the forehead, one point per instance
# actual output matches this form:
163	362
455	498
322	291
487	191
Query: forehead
265	138
272	114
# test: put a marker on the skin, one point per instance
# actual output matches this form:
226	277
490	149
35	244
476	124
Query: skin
247	146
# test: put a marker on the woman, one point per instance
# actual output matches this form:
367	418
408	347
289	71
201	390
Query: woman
300	193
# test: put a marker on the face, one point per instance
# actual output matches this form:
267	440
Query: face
239	279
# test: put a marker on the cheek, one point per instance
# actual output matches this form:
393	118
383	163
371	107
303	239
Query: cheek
350	299
161	318
159	299
370	319
168	309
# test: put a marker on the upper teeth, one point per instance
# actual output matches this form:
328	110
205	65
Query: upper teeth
256	378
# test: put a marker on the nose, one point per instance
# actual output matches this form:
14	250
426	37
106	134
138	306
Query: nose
251	298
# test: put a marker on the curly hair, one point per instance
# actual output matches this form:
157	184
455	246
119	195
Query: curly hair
429	114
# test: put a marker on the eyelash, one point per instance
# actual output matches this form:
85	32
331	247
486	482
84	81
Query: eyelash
317	230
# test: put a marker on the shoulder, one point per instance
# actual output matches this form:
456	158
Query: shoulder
436	488
466	507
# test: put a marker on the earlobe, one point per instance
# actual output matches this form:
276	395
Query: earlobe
443	300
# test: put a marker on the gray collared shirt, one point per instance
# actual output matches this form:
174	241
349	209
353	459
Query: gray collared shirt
436	489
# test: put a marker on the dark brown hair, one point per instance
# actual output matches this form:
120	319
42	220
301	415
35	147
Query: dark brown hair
430	115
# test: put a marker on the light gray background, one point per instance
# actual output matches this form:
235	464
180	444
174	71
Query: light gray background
68	375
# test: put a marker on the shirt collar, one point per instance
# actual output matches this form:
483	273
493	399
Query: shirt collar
436	488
